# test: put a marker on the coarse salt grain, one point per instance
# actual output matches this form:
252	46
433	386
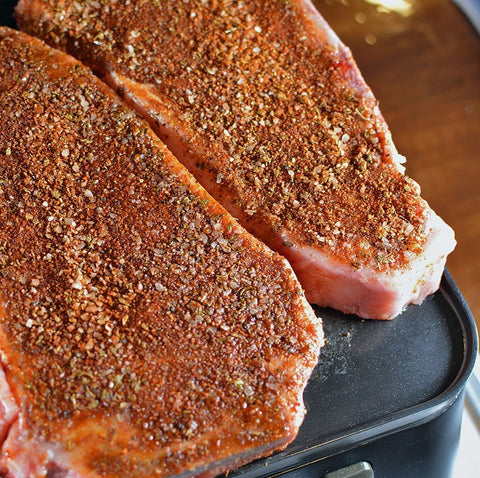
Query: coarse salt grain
160	287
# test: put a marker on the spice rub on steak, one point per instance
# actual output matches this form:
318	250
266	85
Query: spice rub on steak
265	105
143	332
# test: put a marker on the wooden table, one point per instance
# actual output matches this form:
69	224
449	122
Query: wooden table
423	65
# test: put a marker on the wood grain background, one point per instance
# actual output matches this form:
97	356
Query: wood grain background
423	65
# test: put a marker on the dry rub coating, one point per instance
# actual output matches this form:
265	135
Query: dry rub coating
267	108
142	331
286	140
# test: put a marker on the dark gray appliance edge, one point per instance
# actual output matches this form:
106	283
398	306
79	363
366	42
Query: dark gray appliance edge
396	423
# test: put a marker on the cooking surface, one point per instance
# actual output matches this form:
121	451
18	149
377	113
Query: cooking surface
378	374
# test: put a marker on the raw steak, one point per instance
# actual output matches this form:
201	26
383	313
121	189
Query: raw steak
143	332
266	107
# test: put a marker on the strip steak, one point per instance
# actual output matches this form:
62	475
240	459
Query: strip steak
267	108
143	332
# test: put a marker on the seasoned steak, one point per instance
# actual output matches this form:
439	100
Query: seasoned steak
266	107
143	332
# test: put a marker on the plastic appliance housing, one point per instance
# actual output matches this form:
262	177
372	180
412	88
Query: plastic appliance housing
389	394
